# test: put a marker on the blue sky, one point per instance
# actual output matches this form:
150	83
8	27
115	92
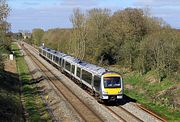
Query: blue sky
47	14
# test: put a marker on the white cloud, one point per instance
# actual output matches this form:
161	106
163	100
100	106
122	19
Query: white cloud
166	9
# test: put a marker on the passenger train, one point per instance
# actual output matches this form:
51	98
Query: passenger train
104	84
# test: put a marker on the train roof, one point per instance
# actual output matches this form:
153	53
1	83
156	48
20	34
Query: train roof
82	64
54	52
87	66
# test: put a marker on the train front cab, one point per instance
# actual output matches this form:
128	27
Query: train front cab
112	87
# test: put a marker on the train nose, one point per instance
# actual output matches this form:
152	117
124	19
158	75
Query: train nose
112	91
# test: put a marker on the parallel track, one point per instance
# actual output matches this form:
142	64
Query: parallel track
81	108
150	112
122	113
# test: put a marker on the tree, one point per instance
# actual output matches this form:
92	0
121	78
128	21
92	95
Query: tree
97	39
37	35
162	46
127	29
4	11
79	33
4	27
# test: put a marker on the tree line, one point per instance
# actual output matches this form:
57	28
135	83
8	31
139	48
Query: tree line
130	38
5	38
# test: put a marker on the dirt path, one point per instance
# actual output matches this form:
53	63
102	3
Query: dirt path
10	66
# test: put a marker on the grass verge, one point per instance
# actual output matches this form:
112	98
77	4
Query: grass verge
10	103
33	102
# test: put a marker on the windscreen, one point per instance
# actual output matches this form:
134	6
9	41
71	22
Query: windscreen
112	82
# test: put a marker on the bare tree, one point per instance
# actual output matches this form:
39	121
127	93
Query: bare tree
4	10
4	26
79	33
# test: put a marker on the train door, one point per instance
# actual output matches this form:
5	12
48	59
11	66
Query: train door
97	83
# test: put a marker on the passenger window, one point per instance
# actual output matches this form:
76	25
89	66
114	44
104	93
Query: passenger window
63	63
56	59
78	72
97	82
44	52
49	56
86	76
68	66
40	50
73	68
60	61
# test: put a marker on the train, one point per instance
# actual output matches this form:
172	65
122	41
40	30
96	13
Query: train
104	84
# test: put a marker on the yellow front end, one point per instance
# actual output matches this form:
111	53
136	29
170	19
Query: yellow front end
112	91
112	86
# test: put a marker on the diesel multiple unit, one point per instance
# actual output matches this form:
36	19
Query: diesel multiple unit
104	84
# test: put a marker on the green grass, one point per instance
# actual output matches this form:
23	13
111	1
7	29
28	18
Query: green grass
10	104
147	98
33	102
145	92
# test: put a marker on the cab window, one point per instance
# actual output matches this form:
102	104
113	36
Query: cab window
112	82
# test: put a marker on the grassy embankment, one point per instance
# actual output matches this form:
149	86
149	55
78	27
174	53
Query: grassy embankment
10	103
156	96
33	103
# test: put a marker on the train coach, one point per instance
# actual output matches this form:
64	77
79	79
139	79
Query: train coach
102	83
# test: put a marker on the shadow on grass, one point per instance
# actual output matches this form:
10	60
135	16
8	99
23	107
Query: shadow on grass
10	104
34	81
15	50
9	82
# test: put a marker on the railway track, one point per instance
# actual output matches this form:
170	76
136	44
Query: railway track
149	112
124	114
80	107
120	113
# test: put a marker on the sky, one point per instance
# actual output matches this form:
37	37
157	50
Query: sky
48	14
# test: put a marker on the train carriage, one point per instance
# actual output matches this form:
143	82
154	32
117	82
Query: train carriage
106	85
